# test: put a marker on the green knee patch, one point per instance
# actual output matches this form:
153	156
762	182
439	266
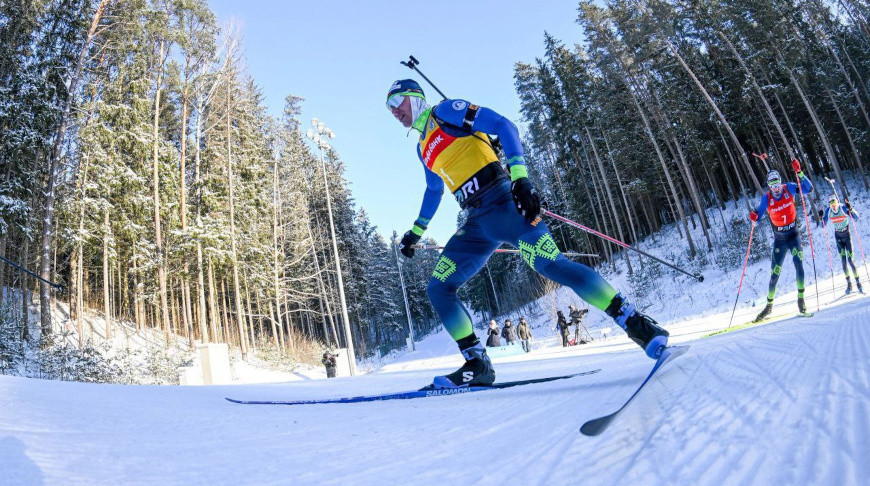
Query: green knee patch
445	268
544	248
777	269
799	254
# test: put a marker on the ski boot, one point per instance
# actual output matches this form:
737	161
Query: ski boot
802	307
849	286
642	329
764	312
477	370
858	284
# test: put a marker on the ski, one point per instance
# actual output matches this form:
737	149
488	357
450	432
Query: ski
846	296
598	425
754	323
421	393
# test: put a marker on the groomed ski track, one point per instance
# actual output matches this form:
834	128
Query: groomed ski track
787	402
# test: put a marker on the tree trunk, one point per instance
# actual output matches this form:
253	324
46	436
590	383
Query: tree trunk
609	192
628	209
53	163
158	235
860	166
234	250
661	157
760	94
719	114
107	313
213	305
276	250
829	150
25	293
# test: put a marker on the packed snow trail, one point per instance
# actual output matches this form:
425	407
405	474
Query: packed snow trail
782	403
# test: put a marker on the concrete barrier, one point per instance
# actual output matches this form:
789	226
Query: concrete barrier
190	376
215	359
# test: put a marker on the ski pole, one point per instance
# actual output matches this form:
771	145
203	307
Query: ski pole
827	242
696	276
745	261
857	233
830	259
28	272
810	234
860	245
507	250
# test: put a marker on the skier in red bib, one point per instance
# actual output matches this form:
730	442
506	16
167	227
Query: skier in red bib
778	202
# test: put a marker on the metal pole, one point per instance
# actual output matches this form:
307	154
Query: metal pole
405	296
351	355
492	284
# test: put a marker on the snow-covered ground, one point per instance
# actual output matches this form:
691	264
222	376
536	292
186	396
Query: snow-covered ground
786	402
781	403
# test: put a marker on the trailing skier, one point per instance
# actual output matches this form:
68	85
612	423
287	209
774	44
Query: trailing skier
502	208
778	202
839	215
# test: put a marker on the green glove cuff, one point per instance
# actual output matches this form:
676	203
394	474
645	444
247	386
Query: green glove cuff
418	230
518	172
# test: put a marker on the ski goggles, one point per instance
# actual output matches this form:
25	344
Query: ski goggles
775	185
395	101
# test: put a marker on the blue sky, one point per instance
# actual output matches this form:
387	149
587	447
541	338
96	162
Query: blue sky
342	56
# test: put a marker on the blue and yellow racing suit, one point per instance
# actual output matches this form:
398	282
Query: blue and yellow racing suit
456	152
842	218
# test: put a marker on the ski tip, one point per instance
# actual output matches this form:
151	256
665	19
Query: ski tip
596	426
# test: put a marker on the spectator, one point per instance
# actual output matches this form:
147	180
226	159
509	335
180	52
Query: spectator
525	334
509	333
493	341
563	325
328	360
577	320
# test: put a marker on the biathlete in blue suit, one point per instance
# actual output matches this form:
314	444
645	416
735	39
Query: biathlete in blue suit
779	203
502	207
841	216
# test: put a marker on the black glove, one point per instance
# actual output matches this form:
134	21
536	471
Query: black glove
821	213
525	198
407	244
848	207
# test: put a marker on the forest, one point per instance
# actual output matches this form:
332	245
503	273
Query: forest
141	170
